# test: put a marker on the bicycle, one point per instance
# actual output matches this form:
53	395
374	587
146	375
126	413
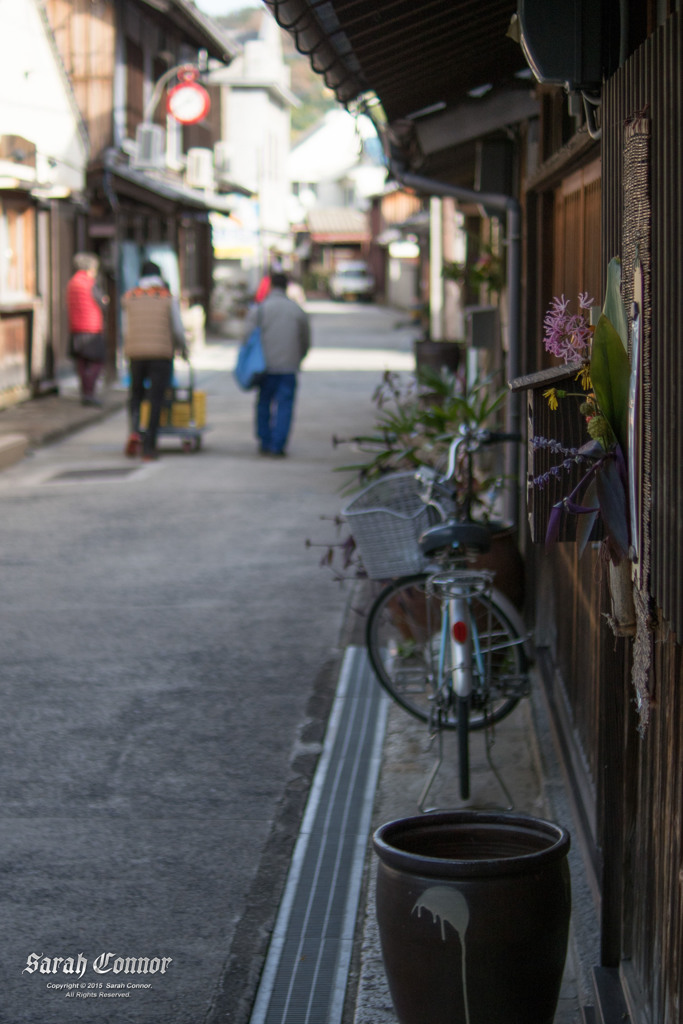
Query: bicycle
443	642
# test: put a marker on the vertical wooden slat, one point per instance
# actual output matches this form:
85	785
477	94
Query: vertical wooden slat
653	80
675	280
653	793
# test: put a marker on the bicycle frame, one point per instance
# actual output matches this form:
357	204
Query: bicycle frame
458	621
460	633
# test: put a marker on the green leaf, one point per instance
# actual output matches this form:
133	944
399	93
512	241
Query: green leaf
610	375
613	307
613	508
585	523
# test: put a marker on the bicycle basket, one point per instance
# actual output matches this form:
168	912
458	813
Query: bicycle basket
386	521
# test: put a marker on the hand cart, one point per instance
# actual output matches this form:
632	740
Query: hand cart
183	413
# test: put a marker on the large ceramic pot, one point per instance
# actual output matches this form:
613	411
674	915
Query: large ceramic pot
438	355
505	560
473	912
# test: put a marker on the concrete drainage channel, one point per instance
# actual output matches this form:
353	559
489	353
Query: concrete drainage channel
305	973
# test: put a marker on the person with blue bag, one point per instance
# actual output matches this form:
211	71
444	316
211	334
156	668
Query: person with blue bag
285	336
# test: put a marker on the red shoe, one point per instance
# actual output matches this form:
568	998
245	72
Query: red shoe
132	446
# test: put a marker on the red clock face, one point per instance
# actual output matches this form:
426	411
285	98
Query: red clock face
188	102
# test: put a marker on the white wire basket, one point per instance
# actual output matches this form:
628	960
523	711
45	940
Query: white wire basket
386	521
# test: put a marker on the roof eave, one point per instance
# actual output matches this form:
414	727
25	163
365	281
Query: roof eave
197	27
165	194
430	66
337	68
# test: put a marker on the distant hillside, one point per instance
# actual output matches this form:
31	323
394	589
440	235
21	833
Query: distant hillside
316	98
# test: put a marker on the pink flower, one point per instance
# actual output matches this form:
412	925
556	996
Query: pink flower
568	335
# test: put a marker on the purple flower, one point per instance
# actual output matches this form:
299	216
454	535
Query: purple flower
553	445
568	335
572	457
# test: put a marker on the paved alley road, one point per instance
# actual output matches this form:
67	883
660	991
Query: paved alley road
169	649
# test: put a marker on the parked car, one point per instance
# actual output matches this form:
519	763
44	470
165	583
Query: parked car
352	280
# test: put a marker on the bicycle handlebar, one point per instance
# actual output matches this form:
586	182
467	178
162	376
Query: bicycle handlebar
496	437
473	440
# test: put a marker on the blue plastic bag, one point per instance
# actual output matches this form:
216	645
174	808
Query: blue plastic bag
250	368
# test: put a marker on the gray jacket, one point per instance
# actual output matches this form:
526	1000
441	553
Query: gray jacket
285	331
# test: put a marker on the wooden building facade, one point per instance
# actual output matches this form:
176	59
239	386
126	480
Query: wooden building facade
596	175
616	700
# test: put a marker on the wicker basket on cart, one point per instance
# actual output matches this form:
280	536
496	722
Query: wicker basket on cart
386	521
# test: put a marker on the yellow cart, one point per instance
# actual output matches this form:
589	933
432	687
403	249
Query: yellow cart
183	414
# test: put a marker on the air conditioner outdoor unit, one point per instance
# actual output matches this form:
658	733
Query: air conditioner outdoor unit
199	173
222	158
150	145
563	43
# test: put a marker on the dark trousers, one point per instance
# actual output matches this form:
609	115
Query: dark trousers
88	372
274	410
158	373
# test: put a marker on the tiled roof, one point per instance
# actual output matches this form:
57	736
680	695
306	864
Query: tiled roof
342	223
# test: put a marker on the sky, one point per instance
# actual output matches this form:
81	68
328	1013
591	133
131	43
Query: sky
215	8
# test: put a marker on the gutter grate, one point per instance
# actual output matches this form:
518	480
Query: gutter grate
108	473
305	974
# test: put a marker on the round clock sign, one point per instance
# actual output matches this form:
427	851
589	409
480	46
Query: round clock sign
188	102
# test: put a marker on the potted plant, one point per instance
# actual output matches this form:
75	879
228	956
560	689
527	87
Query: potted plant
487	270
416	421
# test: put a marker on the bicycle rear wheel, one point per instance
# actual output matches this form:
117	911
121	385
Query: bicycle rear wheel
403	637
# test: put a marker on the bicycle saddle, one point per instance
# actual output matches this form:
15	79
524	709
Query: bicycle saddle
452	534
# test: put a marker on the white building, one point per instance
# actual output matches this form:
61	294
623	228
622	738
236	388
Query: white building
338	165
256	101
335	171
43	155
37	104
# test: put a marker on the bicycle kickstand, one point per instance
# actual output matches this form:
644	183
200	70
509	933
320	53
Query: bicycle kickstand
438	733
489	741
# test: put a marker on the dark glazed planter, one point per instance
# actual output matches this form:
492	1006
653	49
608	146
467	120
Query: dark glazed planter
473	912
505	560
438	354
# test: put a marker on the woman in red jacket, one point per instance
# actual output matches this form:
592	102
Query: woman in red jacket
85	304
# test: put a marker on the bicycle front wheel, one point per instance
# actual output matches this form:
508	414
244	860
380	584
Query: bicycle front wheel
412	661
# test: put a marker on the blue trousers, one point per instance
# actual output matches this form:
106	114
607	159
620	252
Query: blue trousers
274	409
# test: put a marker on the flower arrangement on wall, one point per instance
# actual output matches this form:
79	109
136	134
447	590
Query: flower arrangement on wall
602	394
